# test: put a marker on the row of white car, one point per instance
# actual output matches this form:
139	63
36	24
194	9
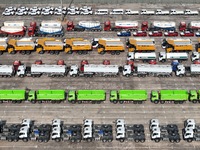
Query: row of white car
85	10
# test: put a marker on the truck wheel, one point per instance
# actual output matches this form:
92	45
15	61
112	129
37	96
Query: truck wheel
121	102
178	140
104	140
13	52
194	101
57	52
28	52
25	140
40	140
80	52
45	140
33	101
102	52
15	140
156	102
72	140
23	52
41	52
172	140
162	102
79	102
58	102
89	140
52	52
74	75
127	75
113	53
114	102
117	52
19	102
110	140
10	140
21	75
121	140
1	101
189	140
40	102
180	75
73	102
136	141
1	52
157	140
142	141
57	140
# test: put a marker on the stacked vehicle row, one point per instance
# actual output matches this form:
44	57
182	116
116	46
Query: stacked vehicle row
99	96
55	28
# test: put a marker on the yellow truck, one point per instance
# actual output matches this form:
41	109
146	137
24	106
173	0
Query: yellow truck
24	46
114	47
3	45
140	44
51	45
177	45
78	45
197	46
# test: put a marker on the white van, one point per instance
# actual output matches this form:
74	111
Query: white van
101	12
117	12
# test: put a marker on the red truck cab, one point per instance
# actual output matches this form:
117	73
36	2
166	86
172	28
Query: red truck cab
32	28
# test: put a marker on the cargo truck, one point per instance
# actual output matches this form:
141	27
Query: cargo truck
189	71
7	71
46	28
129	132
51	45
128	96
141	45
90	70
84	26
113	47
120	25
145	57
162	25
3	45
82	96
164	96
14	96
192	26
197	46
13	28
24	46
143	70
36	70
97	132
177	45
163	56
78	45
53	96
167	132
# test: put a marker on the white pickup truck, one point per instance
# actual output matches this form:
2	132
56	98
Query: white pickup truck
162	12
191	12
131	12
176	12
147	12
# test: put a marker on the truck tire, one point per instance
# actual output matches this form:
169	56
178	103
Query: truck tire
157	140
115	102
52	52
109	140
23	52
13	52
28	52
121	102
117	52
45	140
1	53
194	101
113	53
25	140
172	140
80	52
102	52
89	140
156	102
15	140
79	102
189	140
33	101
136	141
74	75
40	140
104	140
10	140
57	52
177	141
127	75
121	140
73	102
57	140
142	140
162	102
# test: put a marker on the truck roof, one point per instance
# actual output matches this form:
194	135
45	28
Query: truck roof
164	23
195	68
181	41
13	23
195	23
173	92
53	43
114	43
86	92
81	43
126	23
25	43
51	23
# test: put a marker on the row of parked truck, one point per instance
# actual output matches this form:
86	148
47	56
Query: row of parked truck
99	96
88	131
114	46
98	70
55	28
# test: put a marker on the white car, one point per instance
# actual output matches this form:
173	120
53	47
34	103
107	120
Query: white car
21	13
72	8
131	12
59	12
45	13
85	8
22	8
8	13
86	12
10	8
48	8
35	8
73	12
34	13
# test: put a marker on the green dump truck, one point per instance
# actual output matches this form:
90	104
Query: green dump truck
176	96
54	96
14	96
135	96
81	96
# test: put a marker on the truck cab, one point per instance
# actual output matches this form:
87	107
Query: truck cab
71	96
193	96
31	96
113	95
154	123
127	70
154	96
194	56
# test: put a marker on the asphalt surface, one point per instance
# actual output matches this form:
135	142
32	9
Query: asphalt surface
105	112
